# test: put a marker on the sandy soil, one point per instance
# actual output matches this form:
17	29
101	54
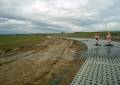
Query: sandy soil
51	62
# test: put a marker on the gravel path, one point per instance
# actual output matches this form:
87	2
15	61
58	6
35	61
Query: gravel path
102	65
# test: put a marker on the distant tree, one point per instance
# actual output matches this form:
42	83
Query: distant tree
62	32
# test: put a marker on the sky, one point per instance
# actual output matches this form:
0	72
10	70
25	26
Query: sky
54	16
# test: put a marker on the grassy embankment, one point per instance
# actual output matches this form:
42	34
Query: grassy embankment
16	40
13	43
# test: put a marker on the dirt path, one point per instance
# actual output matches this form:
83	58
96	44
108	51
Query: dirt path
52	62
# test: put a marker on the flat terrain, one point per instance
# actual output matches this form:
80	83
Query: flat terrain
13	40
101	67
102	64
44	62
115	35
91	42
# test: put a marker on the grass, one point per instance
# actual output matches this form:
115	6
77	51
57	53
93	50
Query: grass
91	34
16	39
115	35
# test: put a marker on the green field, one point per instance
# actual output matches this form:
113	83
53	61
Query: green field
91	34
17	39
27	38
115	35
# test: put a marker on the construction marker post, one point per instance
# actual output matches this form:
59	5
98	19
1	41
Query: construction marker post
97	39
109	39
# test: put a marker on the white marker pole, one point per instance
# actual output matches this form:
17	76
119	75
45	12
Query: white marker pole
109	38
97	38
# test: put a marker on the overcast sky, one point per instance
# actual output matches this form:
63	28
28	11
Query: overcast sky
48	16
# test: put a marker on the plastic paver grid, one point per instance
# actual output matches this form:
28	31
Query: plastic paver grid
99	68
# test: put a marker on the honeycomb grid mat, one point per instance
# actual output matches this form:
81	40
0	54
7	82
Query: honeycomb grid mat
100	68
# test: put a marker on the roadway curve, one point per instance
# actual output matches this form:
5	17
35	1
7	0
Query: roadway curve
90	42
102	64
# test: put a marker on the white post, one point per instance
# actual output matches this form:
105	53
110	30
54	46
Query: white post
97	38
109	38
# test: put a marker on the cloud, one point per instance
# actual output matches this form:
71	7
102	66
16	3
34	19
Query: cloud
47	16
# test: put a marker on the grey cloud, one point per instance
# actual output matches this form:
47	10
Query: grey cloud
31	26
56	16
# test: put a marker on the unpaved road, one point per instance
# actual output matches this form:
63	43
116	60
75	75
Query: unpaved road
51	62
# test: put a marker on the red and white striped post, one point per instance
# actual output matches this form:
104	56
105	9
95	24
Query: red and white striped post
97	38
109	38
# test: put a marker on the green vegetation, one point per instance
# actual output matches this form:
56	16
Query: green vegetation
16	39
115	35
91	34
28	38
